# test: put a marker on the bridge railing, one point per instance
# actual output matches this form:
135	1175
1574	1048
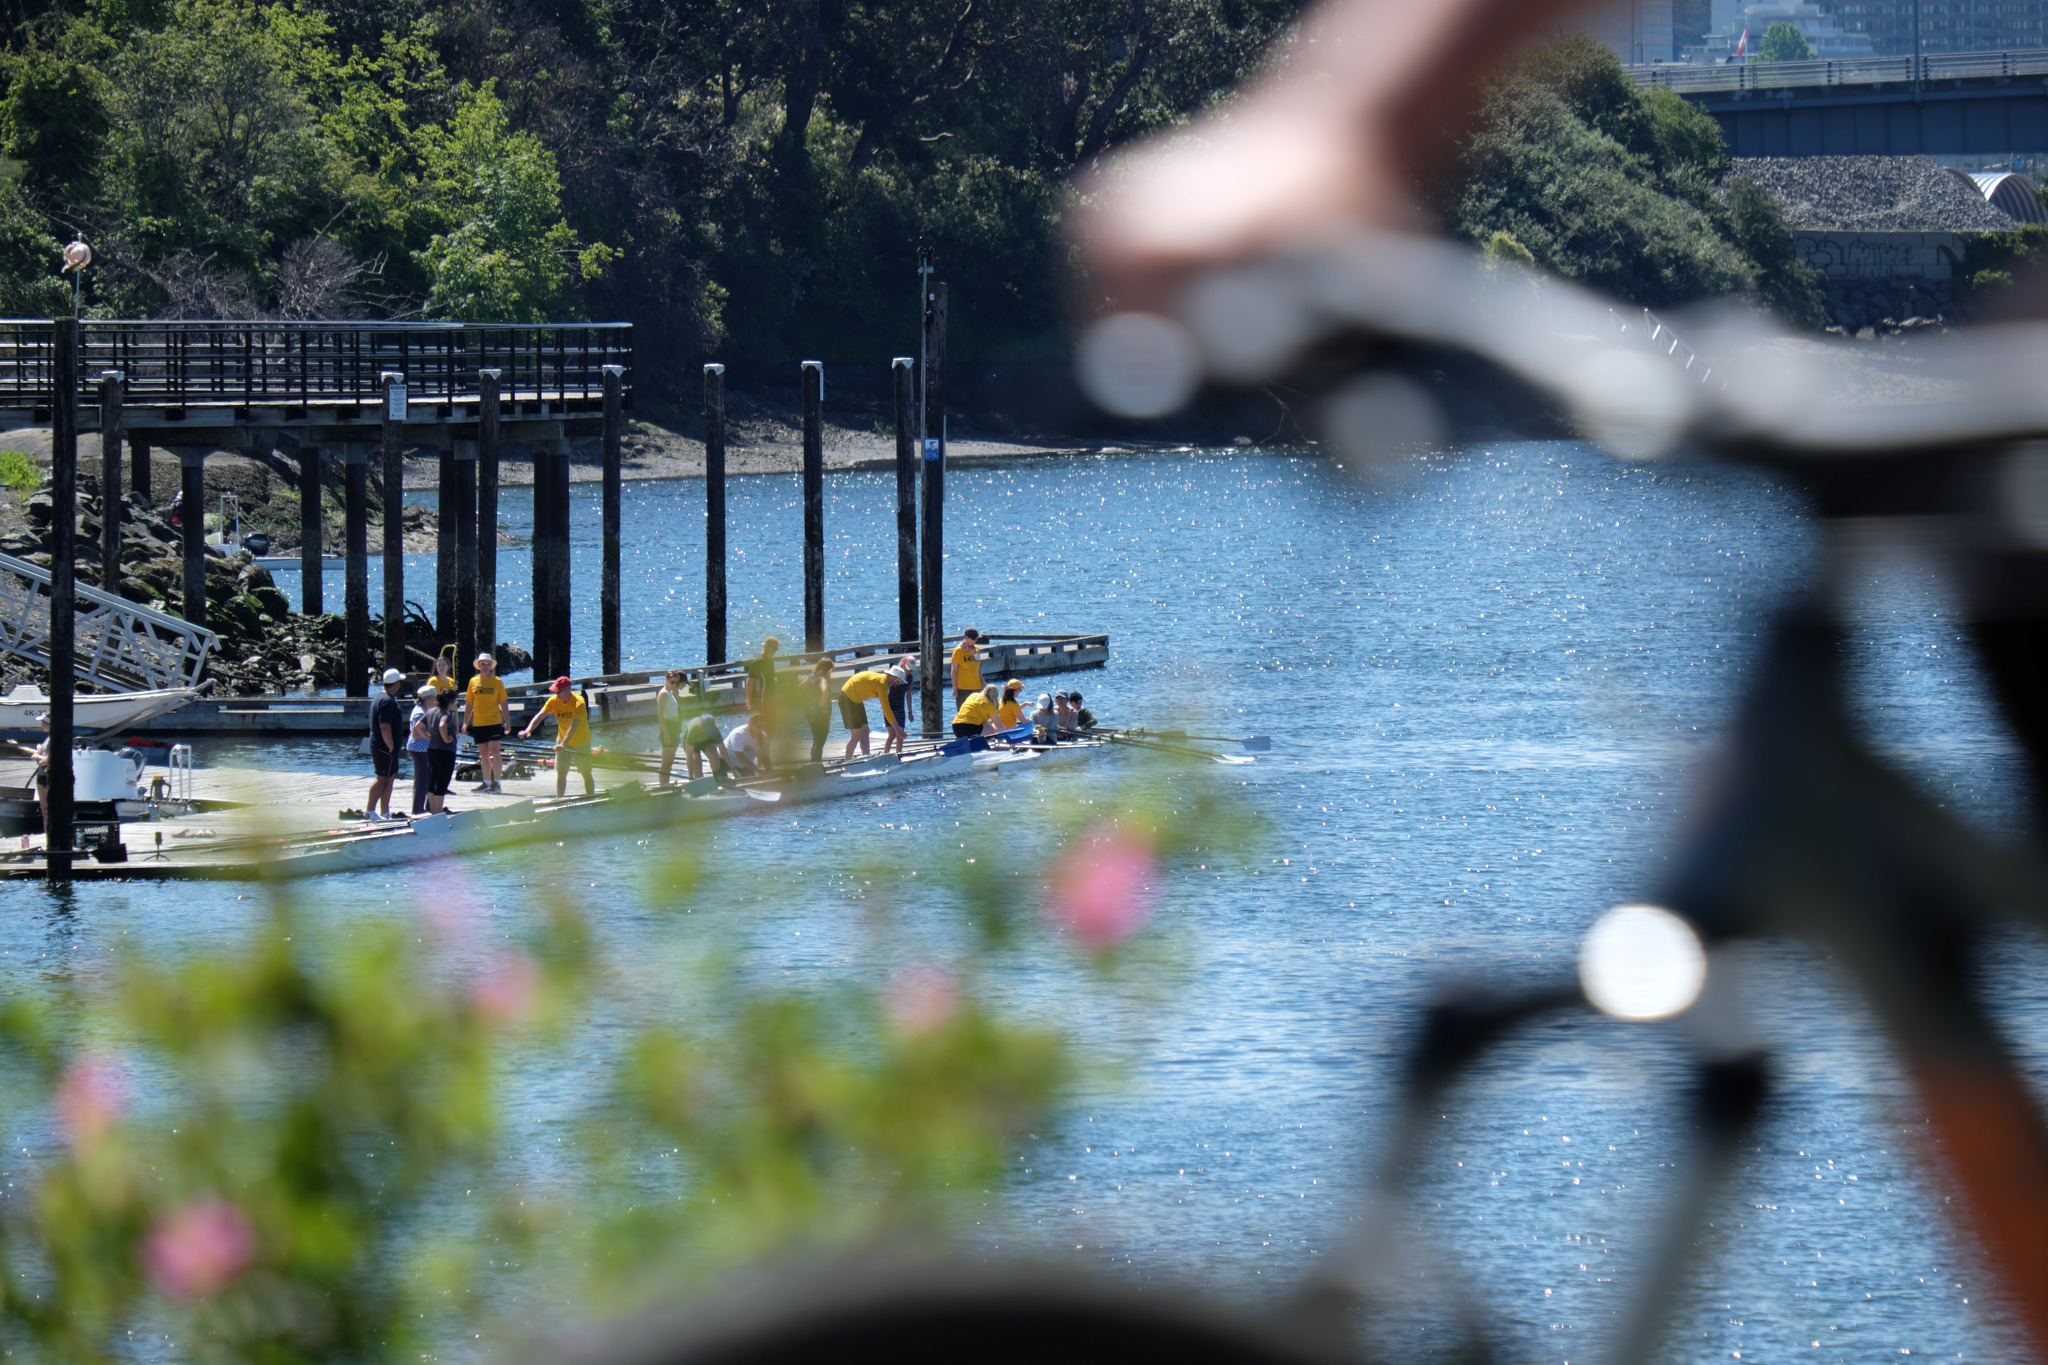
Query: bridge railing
178	364
1686	78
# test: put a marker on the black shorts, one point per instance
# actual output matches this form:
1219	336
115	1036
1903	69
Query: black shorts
962	729
487	734
440	770
854	713
383	762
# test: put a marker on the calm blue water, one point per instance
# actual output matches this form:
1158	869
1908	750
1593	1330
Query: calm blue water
1490	684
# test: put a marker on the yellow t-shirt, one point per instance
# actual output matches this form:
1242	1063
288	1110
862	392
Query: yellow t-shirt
966	667
1009	715
976	710
486	700
870	686
572	719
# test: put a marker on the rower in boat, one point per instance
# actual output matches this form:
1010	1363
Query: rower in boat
1045	722
854	695
977	715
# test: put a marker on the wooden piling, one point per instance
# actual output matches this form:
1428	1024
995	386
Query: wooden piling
608	582
465	561
813	377
543	566
903	371
192	501
356	575
487	512
138	468
112	388
312	598
393	385
931	626
63	636
714	514
561	587
445	536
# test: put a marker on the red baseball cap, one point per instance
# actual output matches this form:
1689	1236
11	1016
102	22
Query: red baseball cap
561	684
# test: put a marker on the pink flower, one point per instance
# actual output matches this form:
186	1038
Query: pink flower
922	999
506	992
89	1100
1103	889
194	1250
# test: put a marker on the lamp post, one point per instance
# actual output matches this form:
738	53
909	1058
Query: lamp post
77	257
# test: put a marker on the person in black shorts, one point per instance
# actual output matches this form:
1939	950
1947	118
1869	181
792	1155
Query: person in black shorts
441	742
899	700
387	742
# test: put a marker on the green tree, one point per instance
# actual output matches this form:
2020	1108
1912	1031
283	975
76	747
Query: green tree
511	259
1784	42
29	284
55	120
1759	229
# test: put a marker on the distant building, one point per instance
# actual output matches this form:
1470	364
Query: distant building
1639	31
1821	25
1886	26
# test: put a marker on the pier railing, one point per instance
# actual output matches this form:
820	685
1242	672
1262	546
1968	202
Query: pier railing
1943	66
298	364
117	645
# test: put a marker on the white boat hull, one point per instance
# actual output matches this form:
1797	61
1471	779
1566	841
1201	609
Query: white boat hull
94	714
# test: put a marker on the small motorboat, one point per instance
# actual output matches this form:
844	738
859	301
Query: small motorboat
92	713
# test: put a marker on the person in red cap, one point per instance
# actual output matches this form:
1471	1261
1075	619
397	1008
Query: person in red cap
572	735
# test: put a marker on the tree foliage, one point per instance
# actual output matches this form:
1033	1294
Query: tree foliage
1783	42
1621	189
752	178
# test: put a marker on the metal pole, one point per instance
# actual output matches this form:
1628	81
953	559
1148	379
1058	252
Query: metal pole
112	387
608	580
906	500
813	377
311	538
931	635
464	479
393	385
192	499
714	514
63	547
356	576
487	512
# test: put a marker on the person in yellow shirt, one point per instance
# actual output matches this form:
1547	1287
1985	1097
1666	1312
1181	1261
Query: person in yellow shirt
966	665
572	735
854	695
483	709
977	715
1010	712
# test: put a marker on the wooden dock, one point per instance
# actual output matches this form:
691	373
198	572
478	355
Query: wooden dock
618	698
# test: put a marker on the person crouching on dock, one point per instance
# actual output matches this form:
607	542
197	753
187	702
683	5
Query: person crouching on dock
703	745
572	735
977	715
854	695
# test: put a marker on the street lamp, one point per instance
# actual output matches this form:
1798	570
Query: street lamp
77	257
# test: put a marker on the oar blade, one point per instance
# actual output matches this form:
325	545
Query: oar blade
1258	744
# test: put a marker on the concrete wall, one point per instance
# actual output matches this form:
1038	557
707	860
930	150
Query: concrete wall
1881	255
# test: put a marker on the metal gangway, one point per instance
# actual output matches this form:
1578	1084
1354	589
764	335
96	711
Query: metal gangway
118	646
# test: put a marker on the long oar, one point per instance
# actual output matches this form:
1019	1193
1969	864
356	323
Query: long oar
1257	744
1180	749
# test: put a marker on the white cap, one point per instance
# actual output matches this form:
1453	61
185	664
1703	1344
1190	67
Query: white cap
427	690
392	675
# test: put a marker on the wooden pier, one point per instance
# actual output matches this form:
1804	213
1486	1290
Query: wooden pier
620	697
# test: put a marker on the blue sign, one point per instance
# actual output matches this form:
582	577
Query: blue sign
931	448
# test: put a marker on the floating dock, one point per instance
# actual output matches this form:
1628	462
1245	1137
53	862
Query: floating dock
619	697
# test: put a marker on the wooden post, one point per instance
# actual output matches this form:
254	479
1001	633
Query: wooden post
543	570
813	374
903	371
487	512
312	598
608	582
63	636
356	576
465	462
138	468
714	514
192	498
112	387
931	630
560	588
393	385
445	536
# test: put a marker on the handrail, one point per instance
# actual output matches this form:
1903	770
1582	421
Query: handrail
1755	75
117	644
